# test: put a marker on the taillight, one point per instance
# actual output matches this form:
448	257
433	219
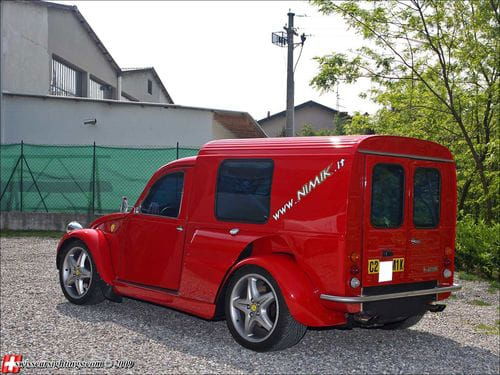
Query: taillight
447	262
354	257
355	270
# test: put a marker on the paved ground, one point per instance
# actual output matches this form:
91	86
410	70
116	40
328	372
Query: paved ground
39	323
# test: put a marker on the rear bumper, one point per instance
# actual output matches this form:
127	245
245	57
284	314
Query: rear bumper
381	297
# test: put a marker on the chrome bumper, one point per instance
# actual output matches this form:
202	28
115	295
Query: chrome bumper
381	297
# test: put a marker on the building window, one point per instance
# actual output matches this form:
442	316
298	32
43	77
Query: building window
64	80
244	190
150	87
98	90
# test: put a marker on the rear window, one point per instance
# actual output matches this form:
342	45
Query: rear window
244	190
426	197
388	182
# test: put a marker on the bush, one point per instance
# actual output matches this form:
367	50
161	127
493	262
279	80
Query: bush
478	248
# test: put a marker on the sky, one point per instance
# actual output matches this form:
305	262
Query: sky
220	55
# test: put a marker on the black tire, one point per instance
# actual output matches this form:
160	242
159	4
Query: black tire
93	292
286	332
404	324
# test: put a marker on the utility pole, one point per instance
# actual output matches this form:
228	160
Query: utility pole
283	39
290	85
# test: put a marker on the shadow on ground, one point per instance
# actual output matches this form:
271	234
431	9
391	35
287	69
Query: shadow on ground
357	350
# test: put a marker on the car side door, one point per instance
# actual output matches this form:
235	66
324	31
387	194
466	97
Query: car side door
155	235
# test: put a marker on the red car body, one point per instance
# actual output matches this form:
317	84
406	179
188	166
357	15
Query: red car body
317	237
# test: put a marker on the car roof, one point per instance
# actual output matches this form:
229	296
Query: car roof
370	144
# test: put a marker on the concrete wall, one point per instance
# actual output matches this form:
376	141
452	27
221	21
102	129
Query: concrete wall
59	120
25	54
41	221
68	39
32	34
317	117
136	84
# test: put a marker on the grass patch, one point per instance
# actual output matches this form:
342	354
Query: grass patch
494	286
489	330
478	302
468	276
30	233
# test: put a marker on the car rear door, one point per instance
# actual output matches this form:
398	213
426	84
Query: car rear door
385	232
428	236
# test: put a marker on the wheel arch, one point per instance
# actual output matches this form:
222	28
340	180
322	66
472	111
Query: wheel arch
97	246
301	297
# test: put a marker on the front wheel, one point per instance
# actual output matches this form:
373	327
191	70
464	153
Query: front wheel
80	282
256	313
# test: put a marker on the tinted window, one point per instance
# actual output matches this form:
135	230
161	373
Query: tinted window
164	198
426	197
244	190
387	195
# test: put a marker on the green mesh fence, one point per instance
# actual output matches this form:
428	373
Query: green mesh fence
81	179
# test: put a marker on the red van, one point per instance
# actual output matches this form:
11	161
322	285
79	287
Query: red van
279	234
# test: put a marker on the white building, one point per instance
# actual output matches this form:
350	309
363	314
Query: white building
60	85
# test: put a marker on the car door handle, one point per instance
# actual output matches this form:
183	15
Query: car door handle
179	228
234	231
387	253
415	241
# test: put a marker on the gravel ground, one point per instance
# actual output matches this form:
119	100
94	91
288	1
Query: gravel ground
37	322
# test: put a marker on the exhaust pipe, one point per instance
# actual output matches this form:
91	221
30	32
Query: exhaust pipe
363	318
435	308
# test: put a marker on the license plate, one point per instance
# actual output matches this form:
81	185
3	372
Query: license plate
398	265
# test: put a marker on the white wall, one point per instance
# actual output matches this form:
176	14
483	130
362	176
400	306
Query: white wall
25	56
318	118
136	84
69	40
59	120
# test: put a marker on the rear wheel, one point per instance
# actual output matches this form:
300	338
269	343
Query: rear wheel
403	324
78	277
256	313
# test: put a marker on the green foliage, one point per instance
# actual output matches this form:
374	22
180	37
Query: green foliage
489	330
434	66
339	124
478	248
478	302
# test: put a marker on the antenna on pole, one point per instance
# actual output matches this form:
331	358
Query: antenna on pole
285	39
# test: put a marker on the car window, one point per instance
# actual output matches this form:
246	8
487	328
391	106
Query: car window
426	197
164	198
244	190
388	181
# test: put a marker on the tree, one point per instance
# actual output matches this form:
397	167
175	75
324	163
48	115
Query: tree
435	69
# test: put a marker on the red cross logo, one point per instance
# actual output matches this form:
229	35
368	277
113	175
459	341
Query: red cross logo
10	363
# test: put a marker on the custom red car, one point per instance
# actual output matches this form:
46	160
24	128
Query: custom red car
279	234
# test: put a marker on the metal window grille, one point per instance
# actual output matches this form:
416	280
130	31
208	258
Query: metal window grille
65	81
98	90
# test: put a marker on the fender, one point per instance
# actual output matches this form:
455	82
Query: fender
98	247
301	297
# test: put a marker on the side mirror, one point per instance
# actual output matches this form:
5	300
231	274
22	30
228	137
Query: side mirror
124	205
